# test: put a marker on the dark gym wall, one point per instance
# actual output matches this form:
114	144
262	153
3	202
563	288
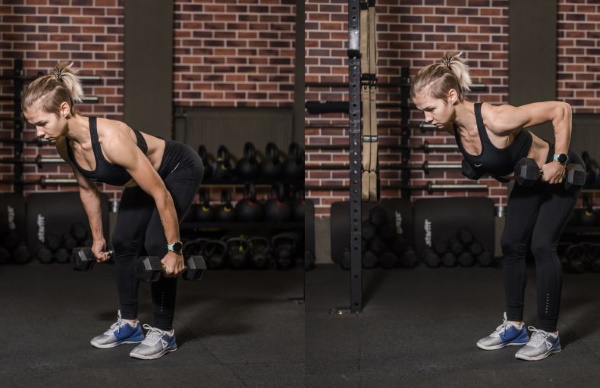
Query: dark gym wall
149	66
532	54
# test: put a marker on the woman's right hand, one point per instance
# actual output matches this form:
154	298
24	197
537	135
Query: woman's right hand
99	250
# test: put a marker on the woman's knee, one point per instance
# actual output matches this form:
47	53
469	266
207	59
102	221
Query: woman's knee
543	249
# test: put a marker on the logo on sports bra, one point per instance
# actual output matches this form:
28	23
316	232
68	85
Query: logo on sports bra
478	165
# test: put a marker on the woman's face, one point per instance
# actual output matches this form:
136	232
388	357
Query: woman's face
49	126
437	111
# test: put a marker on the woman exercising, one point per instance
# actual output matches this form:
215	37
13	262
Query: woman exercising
160	179
493	139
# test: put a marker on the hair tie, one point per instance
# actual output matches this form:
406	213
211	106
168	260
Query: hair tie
446	62
58	74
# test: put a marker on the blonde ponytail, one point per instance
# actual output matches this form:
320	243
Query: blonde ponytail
61	85
451	73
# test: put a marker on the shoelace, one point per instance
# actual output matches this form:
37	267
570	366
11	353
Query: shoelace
502	328
115	326
154	335
538	337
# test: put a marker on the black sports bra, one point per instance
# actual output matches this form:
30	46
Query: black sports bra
106	172
495	161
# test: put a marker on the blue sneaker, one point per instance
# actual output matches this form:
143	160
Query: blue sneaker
506	334
156	344
541	345
119	333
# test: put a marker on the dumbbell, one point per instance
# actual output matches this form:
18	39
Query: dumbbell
527	172
485	259
369	259
409	258
151	269
448	259
430	258
83	259
466	259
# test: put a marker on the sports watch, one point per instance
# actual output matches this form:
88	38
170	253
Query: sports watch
560	158
175	247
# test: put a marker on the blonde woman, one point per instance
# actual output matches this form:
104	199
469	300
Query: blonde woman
493	139
160	179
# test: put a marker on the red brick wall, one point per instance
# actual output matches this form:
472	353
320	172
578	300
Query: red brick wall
416	33
42	33
234	53
239	54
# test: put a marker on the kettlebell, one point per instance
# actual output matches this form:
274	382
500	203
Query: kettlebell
204	212
237	252
225	212
283	247
214	254
271	166
194	247
278	208
298	205
259	248
588	216
248	167
293	165
207	162
249	209
222	169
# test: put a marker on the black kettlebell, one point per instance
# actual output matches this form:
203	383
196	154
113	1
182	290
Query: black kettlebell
283	246
248	167
588	216
249	209
237	252
194	247
259	248
271	166
207	162
298	205
214	254
278	208
222	169
204	212
225	212
293	165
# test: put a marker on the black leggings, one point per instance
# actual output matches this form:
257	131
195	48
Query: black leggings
535	218
139	232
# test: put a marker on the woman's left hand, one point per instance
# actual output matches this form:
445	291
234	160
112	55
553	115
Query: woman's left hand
553	173
173	264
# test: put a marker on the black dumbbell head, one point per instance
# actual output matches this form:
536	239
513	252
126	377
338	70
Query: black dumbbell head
196	265
527	172
149	268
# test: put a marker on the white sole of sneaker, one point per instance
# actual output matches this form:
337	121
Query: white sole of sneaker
114	344
536	358
152	357
500	346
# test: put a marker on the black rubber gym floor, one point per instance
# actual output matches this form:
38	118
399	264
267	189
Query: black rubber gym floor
419	327
234	329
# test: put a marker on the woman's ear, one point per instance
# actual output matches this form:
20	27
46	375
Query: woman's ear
452	97
65	109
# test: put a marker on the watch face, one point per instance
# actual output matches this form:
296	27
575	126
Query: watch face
177	246
562	158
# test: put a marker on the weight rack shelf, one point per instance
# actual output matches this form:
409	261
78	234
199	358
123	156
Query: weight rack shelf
218	226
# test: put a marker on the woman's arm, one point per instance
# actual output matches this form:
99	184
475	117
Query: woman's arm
92	204
506	119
